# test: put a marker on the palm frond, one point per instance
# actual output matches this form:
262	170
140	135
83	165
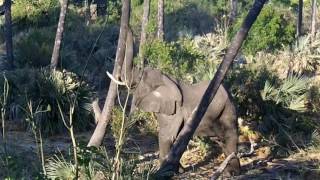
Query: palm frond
59	168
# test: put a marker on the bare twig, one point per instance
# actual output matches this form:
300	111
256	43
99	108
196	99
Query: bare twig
222	166
72	135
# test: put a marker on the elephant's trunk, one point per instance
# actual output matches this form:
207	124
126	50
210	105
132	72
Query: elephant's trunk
126	71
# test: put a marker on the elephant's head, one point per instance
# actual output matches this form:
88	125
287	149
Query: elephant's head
153	91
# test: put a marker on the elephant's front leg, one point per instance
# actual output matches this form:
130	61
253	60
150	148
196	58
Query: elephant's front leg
229	120
169	128
164	144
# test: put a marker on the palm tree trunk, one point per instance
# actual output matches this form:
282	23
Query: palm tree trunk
145	19
313	19
102	7
98	134
233	11
171	162
160	32
299	20
87	13
8	33
59	34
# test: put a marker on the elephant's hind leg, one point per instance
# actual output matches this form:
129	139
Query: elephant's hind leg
228	120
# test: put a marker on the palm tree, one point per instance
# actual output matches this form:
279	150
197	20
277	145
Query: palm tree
8	33
299	20
160	32
313	18
58	39
145	19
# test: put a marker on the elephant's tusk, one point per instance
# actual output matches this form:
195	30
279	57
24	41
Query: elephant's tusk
114	80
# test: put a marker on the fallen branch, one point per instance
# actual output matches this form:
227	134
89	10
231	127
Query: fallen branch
222	166
251	152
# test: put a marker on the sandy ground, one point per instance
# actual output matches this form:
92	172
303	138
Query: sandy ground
260	165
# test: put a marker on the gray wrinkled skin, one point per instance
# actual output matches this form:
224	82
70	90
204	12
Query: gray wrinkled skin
173	102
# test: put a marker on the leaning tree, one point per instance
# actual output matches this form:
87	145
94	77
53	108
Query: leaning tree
103	116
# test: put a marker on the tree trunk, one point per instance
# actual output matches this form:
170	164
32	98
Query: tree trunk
233	11
98	135
87	4
8	33
313	19
59	34
145	19
1	10
171	162
102	7
160	32
299	21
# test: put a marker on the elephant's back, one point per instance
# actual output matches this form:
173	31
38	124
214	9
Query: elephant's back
192	95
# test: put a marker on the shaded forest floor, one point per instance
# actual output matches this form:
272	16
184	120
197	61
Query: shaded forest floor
198	165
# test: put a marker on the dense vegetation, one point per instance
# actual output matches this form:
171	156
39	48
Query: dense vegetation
274	81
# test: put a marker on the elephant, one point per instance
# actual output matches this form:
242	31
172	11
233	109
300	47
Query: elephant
172	101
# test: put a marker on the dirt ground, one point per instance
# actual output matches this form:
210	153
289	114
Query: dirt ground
302	165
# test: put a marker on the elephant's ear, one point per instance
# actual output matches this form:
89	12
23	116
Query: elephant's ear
164	99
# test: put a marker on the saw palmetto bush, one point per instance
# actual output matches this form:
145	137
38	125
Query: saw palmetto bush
96	164
286	111
291	93
45	88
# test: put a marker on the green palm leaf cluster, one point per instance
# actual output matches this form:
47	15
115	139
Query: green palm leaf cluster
44	88
59	168
290	94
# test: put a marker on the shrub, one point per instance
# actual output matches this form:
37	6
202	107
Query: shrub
44	89
290	94
271	31
35	13
177	58
34	48
146	122
95	164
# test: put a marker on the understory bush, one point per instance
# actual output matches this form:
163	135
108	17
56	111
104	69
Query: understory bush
96	164
34	48
273	29
178	59
35	13
44	89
